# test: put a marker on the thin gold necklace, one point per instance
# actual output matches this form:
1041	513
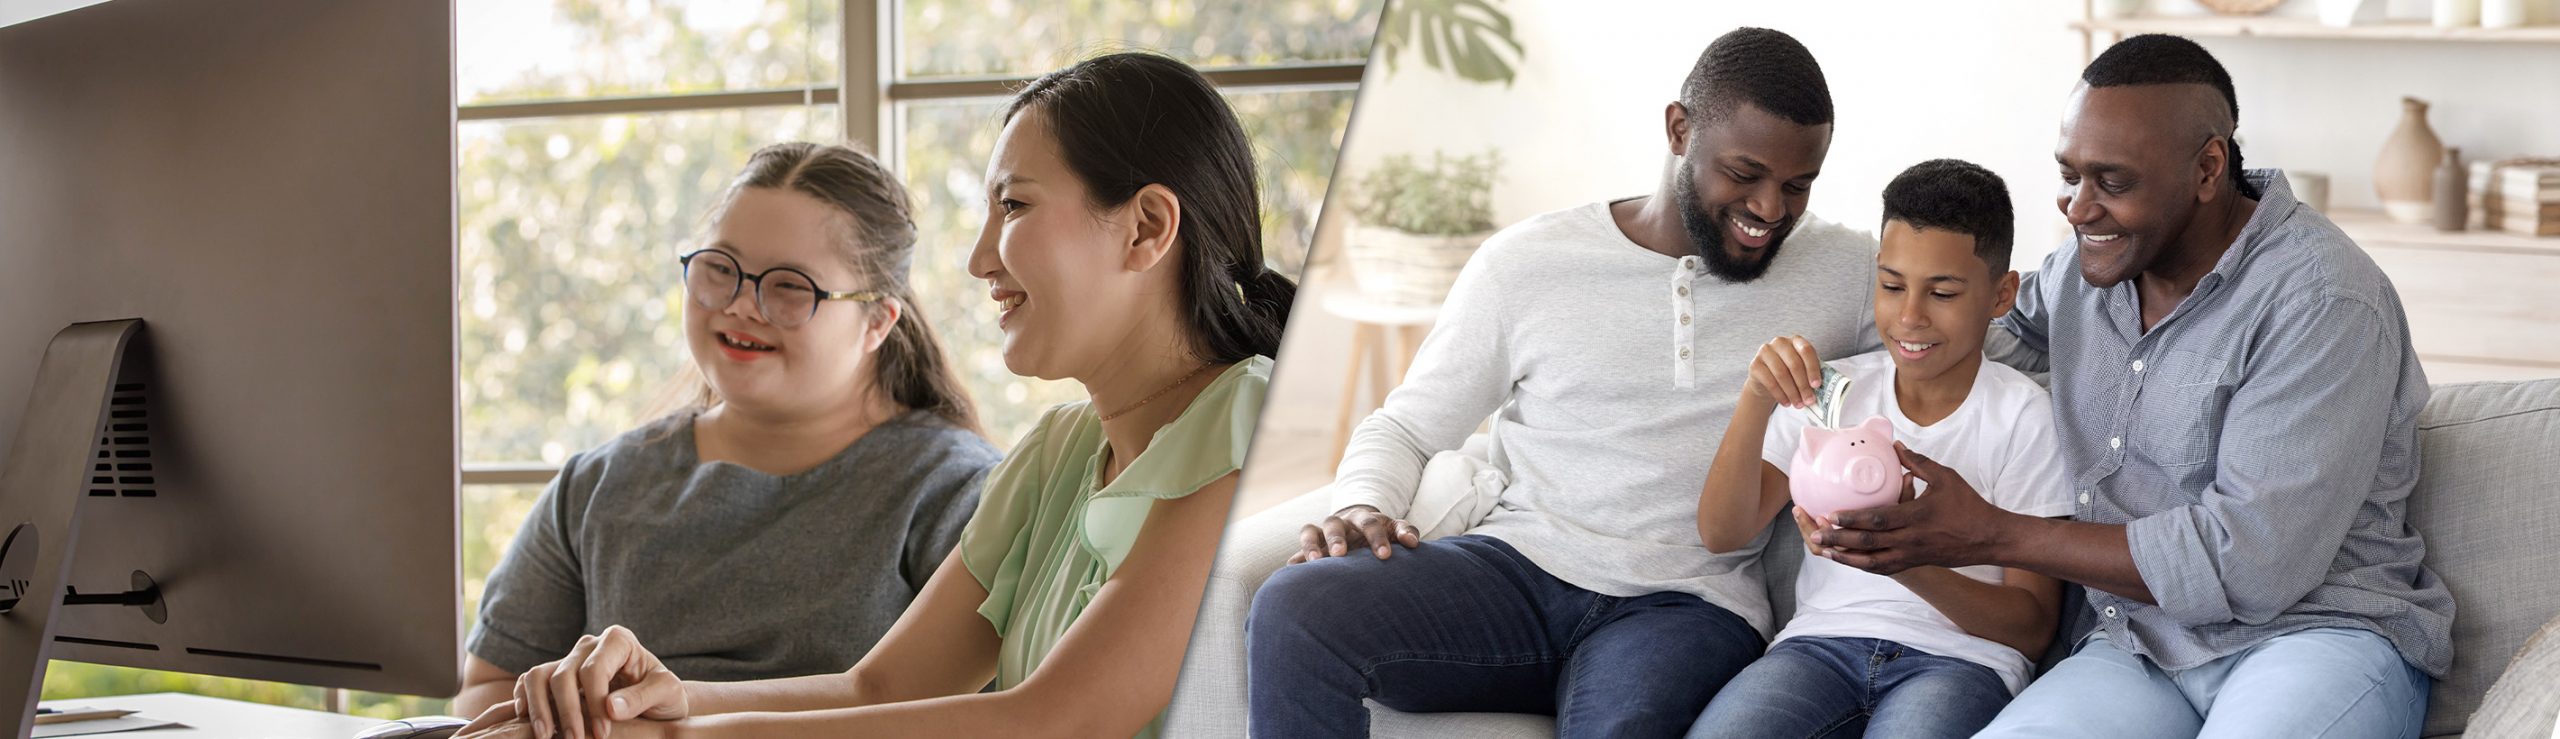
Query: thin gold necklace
1157	394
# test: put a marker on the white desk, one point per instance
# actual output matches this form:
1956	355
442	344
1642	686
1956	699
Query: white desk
216	718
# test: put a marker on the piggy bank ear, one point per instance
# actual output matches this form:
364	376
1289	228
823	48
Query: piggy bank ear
1877	427
1816	436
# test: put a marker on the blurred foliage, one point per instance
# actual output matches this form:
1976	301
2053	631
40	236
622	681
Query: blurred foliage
1028	37
1453	196
583	49
1462	37
569	227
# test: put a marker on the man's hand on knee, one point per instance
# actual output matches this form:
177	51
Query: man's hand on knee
1354	528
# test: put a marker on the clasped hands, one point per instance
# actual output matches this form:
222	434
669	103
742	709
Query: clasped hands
609	687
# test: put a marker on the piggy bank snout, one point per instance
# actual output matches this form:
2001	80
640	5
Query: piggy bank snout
1866	476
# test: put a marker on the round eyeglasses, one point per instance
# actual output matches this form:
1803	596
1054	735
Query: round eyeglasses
786	296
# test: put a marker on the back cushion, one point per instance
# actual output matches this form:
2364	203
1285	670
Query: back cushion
2488	503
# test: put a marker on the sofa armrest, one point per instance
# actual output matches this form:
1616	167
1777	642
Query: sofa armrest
1209	700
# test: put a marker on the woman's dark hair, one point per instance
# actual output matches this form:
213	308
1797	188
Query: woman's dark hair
878	230
1129	120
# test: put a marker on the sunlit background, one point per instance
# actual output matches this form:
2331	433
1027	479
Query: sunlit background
595	136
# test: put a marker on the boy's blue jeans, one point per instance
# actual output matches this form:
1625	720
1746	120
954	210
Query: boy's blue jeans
1850	687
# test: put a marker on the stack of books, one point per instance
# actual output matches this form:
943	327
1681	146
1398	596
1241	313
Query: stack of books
2517	196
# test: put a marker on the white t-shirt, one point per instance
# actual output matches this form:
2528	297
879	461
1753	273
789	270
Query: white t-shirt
2001	440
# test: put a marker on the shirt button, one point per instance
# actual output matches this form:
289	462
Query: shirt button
2111	611
1684	319
1684	291
2084	497
2137	365
2115	442
1684	352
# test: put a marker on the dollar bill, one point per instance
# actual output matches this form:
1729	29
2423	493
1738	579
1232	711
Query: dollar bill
1828	399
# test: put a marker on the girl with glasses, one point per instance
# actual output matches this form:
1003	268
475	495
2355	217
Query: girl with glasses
818	471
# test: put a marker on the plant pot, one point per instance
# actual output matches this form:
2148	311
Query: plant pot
2110	9
1406	269
2345	13
2404	176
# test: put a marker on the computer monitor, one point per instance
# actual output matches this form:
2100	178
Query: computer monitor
270	453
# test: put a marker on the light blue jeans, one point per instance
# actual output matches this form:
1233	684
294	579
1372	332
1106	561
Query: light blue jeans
2318	683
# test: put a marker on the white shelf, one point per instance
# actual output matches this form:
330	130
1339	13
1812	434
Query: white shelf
2260	26
2372	230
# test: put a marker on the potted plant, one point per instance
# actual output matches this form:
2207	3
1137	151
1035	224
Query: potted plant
1418	224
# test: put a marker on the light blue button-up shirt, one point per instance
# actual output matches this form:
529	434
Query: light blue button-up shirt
2259	444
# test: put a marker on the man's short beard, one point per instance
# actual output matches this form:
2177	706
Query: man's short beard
1706	234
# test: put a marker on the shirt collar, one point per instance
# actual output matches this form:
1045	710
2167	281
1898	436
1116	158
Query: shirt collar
2276	205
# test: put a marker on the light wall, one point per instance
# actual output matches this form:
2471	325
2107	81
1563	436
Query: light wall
1982	80
13	12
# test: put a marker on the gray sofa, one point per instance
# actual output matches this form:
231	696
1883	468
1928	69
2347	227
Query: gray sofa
2488	500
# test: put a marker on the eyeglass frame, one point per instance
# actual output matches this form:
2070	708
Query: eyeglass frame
757	278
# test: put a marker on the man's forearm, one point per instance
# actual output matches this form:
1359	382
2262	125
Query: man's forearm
2093	555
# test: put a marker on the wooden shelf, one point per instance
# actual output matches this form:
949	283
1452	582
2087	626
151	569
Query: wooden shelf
2371	229
2263	26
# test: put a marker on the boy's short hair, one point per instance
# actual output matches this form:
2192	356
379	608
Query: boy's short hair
1959	196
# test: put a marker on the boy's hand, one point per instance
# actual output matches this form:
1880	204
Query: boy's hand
1786	371
1952	526
1806	526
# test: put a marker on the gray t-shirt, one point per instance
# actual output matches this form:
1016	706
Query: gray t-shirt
725	572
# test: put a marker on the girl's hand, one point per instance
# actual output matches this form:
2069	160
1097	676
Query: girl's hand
607	679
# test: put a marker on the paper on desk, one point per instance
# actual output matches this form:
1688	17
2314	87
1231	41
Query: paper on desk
103	726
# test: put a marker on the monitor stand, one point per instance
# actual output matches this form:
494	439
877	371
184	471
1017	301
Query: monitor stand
41	492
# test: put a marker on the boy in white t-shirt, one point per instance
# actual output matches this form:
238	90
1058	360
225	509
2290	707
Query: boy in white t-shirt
1930	651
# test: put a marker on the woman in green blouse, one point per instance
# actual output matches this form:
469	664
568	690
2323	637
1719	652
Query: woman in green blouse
1123	247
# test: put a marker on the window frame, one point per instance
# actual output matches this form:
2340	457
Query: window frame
868	82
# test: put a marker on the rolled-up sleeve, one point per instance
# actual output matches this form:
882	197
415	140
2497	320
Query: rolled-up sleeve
2022	337
2300	442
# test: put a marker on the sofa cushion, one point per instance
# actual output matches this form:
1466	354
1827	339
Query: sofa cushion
2489	469
2526	700
1388	723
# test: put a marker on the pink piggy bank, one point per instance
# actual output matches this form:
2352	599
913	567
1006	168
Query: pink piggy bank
1846	469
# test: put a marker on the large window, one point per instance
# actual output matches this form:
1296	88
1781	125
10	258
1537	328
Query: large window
595	136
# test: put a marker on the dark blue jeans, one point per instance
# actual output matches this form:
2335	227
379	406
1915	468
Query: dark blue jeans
1467	624
1843	687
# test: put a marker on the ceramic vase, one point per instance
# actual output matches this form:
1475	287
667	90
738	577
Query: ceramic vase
2404	176
2452	192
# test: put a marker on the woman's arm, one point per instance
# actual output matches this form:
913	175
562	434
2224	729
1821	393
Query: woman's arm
939	647
1112	673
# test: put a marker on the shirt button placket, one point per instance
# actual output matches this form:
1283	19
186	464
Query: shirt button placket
1683	333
